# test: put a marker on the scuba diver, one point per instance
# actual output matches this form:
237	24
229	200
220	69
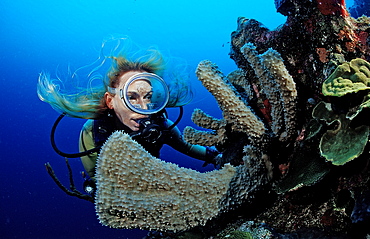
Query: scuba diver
133	99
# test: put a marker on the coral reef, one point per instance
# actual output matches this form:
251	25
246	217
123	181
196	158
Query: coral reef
317	38
294	127
322	55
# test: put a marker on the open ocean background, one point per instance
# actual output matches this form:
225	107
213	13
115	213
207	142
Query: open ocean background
55	35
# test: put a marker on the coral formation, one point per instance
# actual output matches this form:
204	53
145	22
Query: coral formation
235	112
312	43
317	37
274	132
343	143
141	191
349	77
278	85
230	93
207	138
137	190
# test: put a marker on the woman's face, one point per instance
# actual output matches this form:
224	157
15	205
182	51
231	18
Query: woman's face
139	94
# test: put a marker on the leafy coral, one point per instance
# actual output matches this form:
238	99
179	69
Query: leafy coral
343	143
239	235
350	77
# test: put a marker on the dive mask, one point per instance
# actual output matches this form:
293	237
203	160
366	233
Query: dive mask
144	93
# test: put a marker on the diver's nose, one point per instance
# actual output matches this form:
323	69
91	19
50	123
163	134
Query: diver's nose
143	105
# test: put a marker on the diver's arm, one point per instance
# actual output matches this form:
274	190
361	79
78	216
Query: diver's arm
86	142
176	141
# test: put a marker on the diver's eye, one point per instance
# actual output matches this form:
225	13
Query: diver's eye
132	97
148	97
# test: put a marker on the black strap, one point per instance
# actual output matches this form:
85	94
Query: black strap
178	118
68	155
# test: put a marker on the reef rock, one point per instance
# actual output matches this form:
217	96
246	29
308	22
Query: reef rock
326	53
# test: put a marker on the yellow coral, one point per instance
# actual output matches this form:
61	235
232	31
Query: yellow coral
350	77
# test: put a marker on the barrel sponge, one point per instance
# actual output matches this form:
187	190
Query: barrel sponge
137	190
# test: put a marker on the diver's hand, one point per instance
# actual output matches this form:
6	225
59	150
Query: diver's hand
212	157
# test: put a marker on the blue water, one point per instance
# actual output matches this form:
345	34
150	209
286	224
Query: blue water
49	35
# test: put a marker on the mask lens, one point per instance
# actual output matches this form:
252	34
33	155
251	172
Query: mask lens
145	93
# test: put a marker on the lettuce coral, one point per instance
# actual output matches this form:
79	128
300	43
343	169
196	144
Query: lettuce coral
343	143
349	77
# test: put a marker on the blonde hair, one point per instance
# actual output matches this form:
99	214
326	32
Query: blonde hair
89	103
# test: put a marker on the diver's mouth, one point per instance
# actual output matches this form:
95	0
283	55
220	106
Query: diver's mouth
138	119
137	122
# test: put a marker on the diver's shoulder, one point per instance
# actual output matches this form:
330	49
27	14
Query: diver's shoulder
88	125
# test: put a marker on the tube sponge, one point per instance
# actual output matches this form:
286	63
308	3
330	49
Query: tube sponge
217	134
278	86
235	111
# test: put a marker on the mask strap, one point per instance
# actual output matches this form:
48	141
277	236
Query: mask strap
112	90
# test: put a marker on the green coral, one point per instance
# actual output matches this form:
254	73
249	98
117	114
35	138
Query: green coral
306	169
238	235
245	230
350	77
342	144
